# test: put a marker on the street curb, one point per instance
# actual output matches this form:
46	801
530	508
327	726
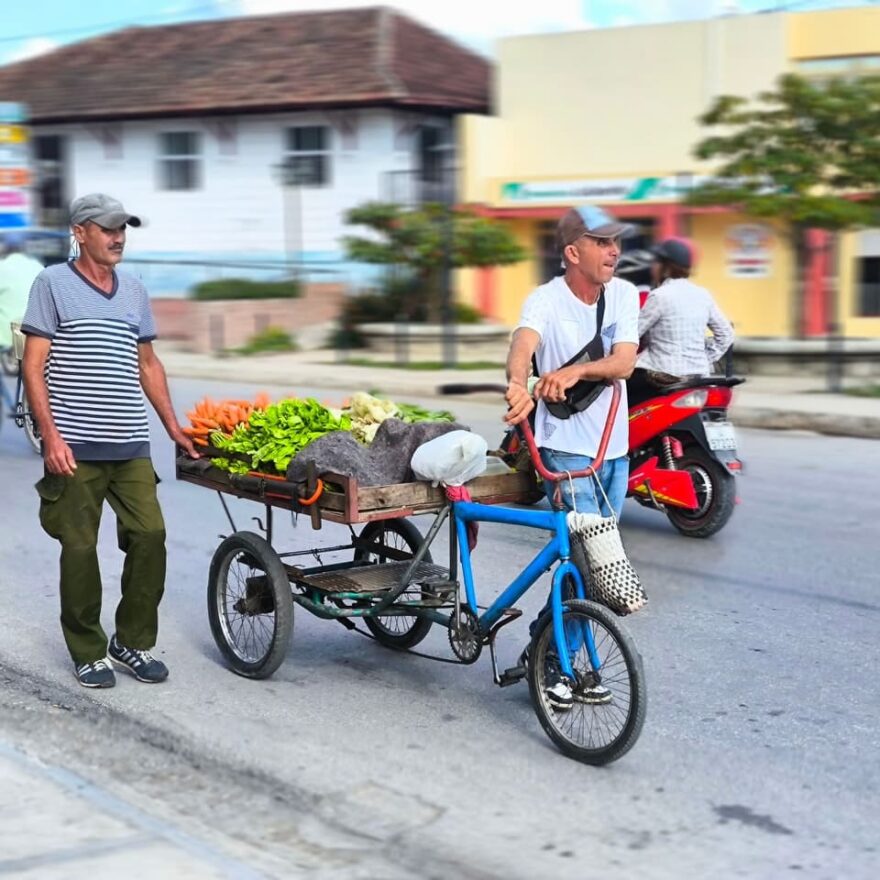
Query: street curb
837	425
337	377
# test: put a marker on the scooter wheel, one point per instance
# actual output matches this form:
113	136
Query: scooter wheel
716	495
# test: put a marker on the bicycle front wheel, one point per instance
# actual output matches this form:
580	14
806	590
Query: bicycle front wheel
604	716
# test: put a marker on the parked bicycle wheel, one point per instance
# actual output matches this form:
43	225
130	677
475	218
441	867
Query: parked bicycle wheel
250	608
605	714
393	631
24	419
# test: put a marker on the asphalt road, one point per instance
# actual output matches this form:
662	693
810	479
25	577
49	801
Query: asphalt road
758	758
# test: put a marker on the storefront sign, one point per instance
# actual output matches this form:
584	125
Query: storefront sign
617	189
747	250
15	174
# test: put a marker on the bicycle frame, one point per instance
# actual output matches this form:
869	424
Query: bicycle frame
557	549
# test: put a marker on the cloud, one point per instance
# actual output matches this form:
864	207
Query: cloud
474	22
30	49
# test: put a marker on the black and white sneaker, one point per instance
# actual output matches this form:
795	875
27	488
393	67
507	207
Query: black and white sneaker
557	687
142	664
556	684
589	690
95	675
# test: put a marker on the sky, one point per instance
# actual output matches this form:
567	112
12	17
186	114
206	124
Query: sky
33	28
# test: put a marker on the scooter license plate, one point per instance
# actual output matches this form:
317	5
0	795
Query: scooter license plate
720	435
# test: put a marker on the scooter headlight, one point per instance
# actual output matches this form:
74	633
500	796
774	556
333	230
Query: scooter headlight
695	399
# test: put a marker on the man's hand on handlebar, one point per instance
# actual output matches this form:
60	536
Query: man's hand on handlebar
519	401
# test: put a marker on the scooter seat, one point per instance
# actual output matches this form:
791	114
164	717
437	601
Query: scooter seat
702	382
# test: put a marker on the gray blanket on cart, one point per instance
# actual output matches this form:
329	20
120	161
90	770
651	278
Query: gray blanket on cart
382	463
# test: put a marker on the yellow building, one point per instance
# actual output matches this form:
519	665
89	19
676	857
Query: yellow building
610	117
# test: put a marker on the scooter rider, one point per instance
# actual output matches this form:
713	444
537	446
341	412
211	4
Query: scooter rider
672	325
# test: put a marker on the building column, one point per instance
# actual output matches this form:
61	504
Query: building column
486	281
669	221
816	280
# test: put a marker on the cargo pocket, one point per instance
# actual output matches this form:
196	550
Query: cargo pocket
50	489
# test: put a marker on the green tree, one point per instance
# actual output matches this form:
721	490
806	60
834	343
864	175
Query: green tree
807	154
417	241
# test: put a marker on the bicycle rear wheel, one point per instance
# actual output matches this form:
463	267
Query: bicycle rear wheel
591	730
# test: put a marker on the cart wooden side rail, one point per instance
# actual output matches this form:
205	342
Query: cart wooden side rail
343	500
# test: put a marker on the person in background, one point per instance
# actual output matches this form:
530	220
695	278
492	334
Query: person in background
88	362
17	273
673	323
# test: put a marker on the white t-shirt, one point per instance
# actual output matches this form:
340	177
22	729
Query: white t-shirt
565	325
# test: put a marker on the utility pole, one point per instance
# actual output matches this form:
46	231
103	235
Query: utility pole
447	187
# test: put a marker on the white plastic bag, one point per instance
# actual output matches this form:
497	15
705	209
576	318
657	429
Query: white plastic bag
452	458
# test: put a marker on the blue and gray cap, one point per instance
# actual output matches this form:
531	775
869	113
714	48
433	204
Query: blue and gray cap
588	220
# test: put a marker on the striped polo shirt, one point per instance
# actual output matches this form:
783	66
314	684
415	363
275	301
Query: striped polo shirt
92	372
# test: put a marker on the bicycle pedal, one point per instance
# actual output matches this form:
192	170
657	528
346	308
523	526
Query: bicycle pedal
511	676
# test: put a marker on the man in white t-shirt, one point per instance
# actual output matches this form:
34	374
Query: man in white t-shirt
558	319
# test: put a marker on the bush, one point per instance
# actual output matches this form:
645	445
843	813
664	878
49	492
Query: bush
398	301
243	288
462	313
270	339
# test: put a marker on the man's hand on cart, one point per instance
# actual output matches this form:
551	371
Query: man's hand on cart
184	443
519	401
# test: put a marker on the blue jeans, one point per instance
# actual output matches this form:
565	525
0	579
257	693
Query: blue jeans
587	497
614	475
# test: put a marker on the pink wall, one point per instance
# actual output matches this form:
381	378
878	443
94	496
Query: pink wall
210	325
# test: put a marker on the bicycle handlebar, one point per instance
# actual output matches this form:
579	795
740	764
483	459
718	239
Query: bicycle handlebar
526	429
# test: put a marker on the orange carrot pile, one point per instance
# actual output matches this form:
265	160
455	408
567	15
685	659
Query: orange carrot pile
209	416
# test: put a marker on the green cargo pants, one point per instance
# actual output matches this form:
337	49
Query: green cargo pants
70	510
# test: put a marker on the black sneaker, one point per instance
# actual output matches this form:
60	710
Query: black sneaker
95	675
589	690
142	664
556	683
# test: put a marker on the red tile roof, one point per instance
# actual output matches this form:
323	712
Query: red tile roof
341	58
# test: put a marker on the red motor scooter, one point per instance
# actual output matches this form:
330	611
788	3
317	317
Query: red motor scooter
682	446
683	454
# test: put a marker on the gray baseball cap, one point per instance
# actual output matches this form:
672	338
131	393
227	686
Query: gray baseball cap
101	209
588	220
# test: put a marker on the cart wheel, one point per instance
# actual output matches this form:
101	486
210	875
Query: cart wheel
249	605
394	631
607	709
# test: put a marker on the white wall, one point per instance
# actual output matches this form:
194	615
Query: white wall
241	209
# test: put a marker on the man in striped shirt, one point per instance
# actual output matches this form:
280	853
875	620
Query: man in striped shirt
87	363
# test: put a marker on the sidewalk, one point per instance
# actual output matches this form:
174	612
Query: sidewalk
774	402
